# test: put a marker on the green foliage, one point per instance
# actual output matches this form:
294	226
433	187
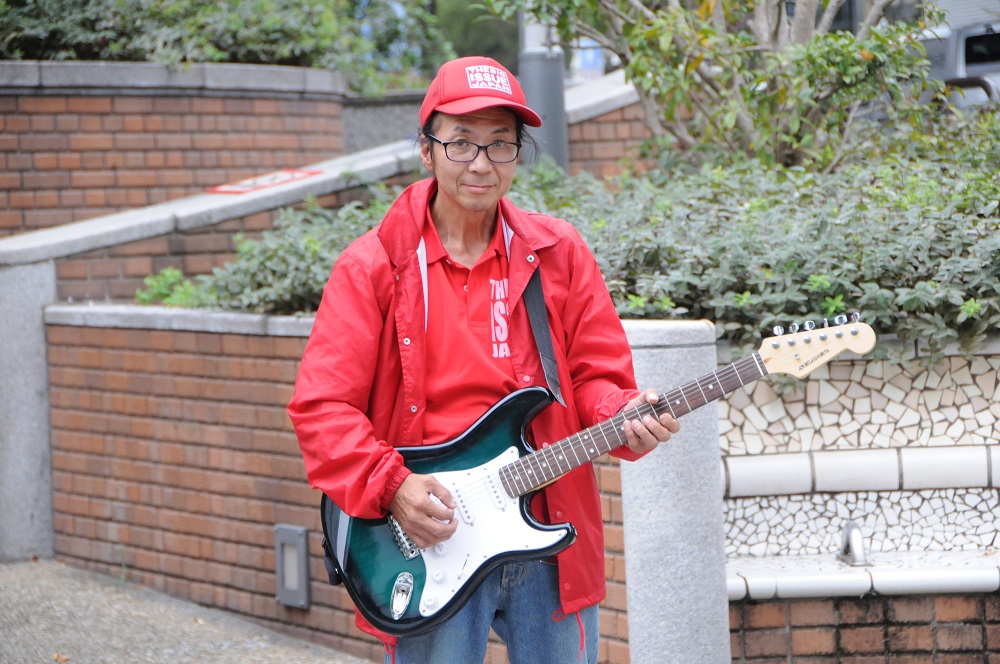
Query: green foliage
473	30
285	270
169	287
908	234
371	42
748	78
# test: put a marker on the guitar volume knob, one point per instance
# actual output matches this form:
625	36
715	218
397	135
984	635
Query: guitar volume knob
441	549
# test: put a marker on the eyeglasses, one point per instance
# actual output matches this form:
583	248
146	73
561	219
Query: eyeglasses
499	152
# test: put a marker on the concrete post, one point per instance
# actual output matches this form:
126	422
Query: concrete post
678	607
541	70
25	467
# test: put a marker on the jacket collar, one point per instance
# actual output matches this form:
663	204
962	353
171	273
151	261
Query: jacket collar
401	228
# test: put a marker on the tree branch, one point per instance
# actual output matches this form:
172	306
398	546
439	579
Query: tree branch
642	9
708	118
803	23
844	138
612	10
874	14
829	14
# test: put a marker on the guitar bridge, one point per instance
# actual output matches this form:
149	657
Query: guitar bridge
406	546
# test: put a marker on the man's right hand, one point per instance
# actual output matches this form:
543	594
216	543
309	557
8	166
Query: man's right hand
425	520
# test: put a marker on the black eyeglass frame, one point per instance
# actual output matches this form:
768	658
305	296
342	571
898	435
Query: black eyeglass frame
479	148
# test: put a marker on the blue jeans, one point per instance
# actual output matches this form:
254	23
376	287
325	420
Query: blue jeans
519	601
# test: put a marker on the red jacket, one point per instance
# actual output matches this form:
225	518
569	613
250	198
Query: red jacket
359	392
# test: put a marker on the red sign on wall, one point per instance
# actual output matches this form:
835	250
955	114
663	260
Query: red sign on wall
284	176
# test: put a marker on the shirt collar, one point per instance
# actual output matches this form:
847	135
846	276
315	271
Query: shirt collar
436	251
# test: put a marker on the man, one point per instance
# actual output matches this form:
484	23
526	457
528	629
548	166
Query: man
423	327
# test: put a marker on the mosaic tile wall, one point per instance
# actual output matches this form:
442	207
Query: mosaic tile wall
867	404
932	520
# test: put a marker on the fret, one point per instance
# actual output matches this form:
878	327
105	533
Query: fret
578	462
531	462
560	459
505	481
677	402
666	401
604	433
700	389
517	483
697	396
686	402
738	376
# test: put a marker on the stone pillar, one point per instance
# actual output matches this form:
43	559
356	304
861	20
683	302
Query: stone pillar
678	607
25	456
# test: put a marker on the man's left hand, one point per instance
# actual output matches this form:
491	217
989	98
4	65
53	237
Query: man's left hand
646	433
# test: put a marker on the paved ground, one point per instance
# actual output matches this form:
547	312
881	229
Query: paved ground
50	612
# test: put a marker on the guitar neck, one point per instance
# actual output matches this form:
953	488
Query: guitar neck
533	471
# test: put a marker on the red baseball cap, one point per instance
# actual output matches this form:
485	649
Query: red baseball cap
471	84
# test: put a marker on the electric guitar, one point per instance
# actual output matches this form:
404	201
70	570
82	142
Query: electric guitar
492	472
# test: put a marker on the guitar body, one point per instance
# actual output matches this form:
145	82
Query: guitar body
403	596
492	473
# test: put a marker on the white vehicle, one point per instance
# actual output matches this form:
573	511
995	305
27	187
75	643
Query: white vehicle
967	57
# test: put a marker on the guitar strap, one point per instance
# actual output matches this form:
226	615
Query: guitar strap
534	301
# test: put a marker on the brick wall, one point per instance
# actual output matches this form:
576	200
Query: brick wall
67	157
173	458
600	144
942	629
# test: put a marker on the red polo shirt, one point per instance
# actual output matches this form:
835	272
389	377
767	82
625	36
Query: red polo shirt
468	357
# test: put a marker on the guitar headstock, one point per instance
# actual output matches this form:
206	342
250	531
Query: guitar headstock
800	353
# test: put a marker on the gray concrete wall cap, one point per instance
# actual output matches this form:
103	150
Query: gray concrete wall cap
117	75
253	77
207	320
290	326
324	81
131	316
153	75
82	236
595	98
669	333
15	73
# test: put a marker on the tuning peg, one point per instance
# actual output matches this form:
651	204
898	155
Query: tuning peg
856	317
777	330
793	328
840	320
809	326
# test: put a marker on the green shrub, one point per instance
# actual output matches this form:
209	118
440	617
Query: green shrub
169	287
372	43
284	271
905	233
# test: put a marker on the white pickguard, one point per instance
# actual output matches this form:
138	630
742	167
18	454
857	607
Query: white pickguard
490	524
